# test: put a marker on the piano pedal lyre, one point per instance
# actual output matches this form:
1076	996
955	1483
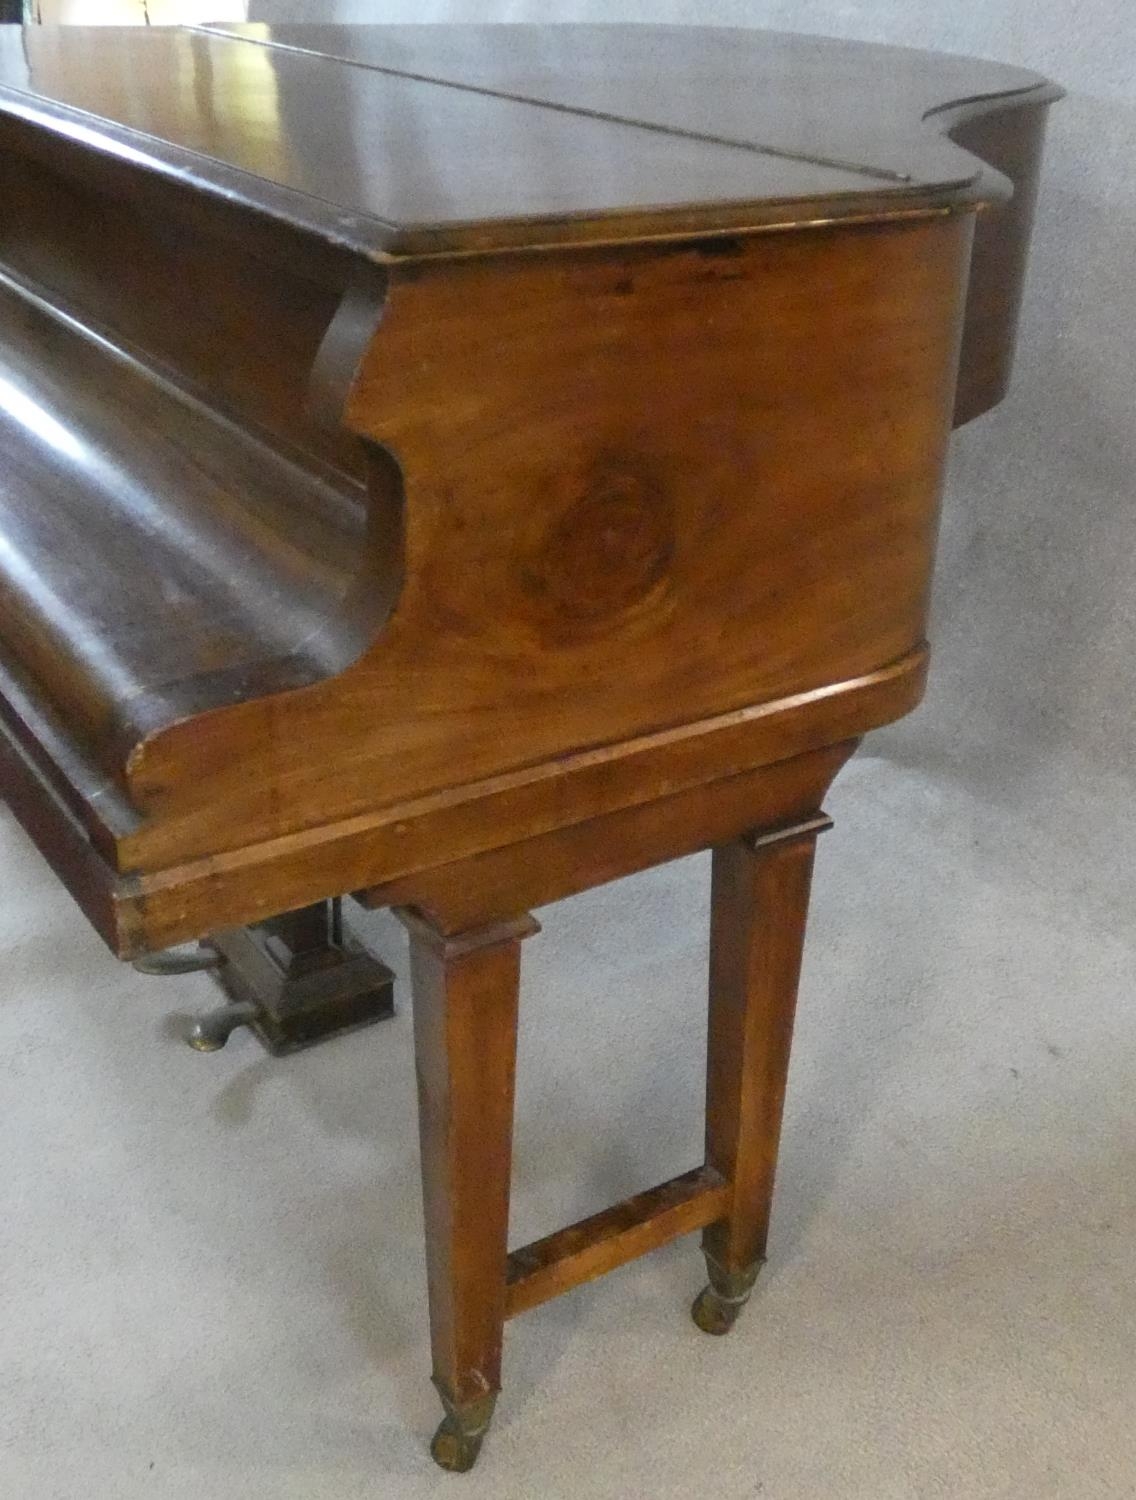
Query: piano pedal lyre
293	980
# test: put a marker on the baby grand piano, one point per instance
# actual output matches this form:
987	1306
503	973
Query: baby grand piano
460	466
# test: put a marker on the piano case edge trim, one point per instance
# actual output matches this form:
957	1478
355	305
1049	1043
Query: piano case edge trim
139	912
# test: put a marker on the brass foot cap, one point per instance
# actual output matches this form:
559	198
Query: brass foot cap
455	1449
713	1315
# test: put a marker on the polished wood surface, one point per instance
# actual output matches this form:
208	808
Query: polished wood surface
466	990
780	95
581	1252
239	564
759	900
352	472
460	466
645	540
433	134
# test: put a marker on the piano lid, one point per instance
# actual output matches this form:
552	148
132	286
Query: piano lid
410	140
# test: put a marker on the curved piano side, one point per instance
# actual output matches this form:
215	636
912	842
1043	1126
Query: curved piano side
468	712
1008	134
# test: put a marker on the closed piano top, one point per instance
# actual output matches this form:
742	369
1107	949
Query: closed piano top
315	572
414	140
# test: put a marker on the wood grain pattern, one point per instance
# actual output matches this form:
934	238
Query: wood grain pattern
470	139
697	476
465	1026
1011	140
555	1264
720	493
759	904
114	247
142	912
537	871
462	466
774	94
114	476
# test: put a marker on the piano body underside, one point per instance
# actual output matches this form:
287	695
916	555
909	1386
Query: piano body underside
318	571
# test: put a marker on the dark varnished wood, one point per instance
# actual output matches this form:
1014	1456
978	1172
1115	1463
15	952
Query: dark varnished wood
114	245
465	1029
579	1253
239	564
295	980
465	980
354	168
752	117
625	461
447	465
138	912
777	94
1010	139
682	569
759	898
539	870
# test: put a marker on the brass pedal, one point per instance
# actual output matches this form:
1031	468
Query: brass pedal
294	981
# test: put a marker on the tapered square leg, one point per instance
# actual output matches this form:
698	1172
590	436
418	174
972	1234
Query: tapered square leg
465	1035
759	903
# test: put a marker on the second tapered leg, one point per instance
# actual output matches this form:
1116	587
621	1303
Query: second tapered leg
465	1028
759	902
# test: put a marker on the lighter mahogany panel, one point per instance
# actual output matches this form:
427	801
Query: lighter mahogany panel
719	464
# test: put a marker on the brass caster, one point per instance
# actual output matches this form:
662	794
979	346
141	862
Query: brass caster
211	1031
716	1308
712	1314
454	1449
460	1434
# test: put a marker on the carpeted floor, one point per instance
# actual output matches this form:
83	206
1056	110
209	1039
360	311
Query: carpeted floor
210	1268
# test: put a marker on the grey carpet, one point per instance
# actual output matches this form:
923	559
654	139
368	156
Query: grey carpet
210	1267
